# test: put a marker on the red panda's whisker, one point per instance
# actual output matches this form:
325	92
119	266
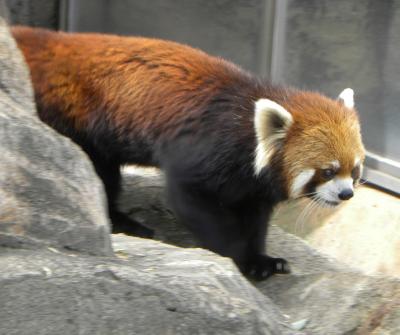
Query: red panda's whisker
302	196
305	213
316	206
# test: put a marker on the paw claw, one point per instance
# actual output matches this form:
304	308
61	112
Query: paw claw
261	267
265	274
281	266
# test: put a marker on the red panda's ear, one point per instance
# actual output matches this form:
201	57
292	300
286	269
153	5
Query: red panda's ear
271	122
347	98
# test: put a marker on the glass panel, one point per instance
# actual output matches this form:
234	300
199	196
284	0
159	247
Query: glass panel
232	29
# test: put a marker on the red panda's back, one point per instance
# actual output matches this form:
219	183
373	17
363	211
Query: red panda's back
139	82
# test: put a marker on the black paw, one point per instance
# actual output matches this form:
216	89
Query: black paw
261	267
122	223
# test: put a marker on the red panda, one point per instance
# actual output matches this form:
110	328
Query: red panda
232	146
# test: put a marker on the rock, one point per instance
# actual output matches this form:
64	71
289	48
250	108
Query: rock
338	302
49	192
151	288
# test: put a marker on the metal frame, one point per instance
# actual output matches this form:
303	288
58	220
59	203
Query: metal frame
278	41
382	172
63	15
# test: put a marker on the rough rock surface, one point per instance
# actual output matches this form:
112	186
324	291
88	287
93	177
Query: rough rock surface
49	192
151	288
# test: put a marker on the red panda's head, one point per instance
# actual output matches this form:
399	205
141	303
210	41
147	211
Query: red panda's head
318	141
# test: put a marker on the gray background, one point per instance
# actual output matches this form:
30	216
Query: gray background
233	29
37	13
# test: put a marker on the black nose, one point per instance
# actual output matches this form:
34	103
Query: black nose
346	194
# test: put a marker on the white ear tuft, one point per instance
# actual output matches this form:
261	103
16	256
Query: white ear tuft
347	97
271	122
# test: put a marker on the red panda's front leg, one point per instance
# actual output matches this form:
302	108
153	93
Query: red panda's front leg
226	231
216	227
254	216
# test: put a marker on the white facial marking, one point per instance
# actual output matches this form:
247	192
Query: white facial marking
300	181
343	183
347	96
330	190
335	164
267	133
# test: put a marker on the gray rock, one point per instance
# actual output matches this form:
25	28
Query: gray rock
151	288
49	192
338	302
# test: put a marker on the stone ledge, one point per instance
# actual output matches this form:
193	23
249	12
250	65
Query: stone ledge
150	288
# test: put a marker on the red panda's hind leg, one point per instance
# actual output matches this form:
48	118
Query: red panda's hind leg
110	174
122	223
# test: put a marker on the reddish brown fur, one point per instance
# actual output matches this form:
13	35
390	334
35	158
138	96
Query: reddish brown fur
88	72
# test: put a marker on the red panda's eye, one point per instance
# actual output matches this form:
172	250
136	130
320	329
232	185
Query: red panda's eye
328	173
